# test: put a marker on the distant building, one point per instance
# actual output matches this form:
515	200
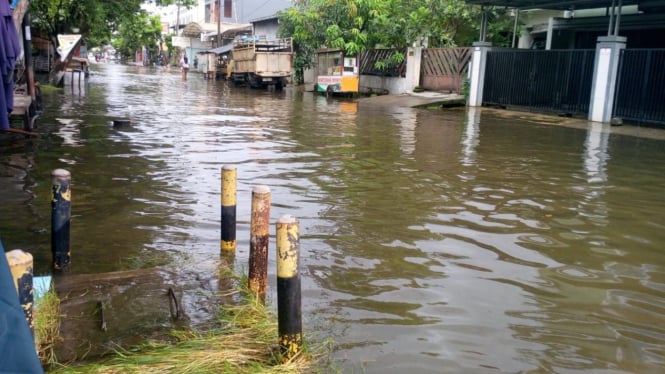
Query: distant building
248	10
231	11
265	27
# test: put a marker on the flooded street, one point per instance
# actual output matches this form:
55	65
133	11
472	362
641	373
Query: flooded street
453	241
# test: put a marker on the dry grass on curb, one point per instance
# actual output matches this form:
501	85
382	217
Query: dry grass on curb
246	343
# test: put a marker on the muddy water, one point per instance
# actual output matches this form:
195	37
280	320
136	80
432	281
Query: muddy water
454	241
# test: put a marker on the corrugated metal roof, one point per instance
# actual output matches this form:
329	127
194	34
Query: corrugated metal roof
219	50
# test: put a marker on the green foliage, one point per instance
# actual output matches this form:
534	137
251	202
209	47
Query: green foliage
141	30
357	25
99	20
466	89
95	19
183	3
395	59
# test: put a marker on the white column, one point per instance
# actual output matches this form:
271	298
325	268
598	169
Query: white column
477	72
608	49
413	58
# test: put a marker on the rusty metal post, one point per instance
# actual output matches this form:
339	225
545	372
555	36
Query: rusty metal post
20	264
259	237
60	218
229	187
289	316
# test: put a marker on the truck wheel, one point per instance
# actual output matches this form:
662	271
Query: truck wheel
254	82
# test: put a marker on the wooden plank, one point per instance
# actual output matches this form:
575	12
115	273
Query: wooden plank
444	68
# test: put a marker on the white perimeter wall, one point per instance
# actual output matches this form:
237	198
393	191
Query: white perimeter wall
394	85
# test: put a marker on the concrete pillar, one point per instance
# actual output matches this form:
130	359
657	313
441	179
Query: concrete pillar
477	72
608	49
413	58
550	33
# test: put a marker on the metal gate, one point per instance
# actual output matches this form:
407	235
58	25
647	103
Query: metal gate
640	92
444	69
543	80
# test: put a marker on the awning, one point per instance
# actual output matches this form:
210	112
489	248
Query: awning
218	50
227	29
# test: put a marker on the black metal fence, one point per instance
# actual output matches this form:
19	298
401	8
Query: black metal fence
640	91
542	80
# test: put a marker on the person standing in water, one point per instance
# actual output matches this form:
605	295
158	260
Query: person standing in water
184	67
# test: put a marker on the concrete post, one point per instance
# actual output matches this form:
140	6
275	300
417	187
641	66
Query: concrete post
20	264
550	34
258	243
608	49
413	59
289	315
61	214
228	221
477	72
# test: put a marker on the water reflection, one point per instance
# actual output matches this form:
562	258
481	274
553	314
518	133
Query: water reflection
471	134
433	241
596	155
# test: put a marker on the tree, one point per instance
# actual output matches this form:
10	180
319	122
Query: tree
357	25
96	20
184	3
179	3
339	24
140	31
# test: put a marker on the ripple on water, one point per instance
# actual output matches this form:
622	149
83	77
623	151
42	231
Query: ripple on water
430	239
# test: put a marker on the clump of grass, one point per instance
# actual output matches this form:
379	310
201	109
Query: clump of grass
47	326
49	88
246	342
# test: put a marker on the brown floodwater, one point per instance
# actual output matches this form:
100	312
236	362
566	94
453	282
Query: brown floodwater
456	241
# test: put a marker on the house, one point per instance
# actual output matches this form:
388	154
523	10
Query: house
266	27
603	59
213	23
229	11
642	25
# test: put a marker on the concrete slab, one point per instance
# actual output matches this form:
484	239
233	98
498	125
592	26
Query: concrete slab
411	100
101	313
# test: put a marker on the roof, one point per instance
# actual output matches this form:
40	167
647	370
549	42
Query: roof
196	29
558	4
192	30
219	50
265	18
228	29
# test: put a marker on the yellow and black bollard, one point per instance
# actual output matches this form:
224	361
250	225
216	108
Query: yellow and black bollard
229	186
288	288
60	218
20	264
258	244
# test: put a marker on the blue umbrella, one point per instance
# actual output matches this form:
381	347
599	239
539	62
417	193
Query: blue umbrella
10	49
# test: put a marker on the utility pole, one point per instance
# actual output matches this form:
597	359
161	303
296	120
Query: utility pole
219	21
177	19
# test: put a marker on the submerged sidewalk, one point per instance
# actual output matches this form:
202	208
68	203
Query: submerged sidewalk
440	99
414	99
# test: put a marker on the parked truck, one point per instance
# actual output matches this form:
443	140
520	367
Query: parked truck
262	63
